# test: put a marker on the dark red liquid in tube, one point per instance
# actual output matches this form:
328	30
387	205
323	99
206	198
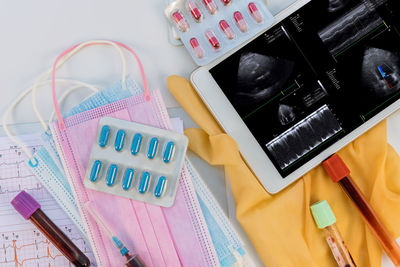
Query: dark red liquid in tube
27	206
339	172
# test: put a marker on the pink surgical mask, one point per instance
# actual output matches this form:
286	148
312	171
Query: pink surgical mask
161	236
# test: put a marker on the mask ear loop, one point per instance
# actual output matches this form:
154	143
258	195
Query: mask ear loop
74	49
64	59
39	83
68	92
19	99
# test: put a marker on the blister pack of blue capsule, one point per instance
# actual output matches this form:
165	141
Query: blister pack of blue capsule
211	28
136	161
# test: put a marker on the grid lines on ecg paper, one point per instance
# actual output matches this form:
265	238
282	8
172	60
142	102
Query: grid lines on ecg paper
21	244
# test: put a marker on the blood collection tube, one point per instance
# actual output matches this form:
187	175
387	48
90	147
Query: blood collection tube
196	47
241	23
226	29
325	219
211	6
212	39
339	172
180	21
195	11
226	2
27	206
255	12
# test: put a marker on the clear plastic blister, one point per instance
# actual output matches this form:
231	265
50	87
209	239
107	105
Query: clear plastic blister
136	161
210	28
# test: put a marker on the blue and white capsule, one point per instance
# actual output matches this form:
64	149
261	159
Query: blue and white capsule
120	140
153	146
160	187
169	152
104	135
136	143
95	172
111	174
128	178
144	183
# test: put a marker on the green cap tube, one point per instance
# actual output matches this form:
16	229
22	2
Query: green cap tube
322	214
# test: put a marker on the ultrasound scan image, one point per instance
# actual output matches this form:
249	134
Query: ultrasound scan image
260	77
380	72
336	5
349	28
315	77
286	114
304	137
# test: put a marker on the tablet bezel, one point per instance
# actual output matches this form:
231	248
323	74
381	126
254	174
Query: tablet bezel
252	152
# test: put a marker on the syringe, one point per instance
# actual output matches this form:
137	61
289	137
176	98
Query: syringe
132	259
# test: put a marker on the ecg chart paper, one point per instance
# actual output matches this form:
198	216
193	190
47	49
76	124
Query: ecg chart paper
21	244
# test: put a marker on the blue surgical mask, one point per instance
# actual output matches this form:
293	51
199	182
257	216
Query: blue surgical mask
227	243
112	94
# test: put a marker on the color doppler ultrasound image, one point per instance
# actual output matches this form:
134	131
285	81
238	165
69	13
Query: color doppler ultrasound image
316	76
380	72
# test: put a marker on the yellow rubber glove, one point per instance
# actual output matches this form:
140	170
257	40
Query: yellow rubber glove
281	226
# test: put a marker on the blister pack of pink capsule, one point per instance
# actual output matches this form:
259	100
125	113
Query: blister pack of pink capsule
210	28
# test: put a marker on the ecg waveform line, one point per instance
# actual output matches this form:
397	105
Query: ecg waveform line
21	244
36	248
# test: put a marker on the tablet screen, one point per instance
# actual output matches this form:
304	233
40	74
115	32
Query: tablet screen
315	77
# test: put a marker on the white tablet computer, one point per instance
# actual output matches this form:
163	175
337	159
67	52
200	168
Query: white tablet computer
321	76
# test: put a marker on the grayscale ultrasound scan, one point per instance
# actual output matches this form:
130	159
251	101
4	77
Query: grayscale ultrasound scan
315	77
336	5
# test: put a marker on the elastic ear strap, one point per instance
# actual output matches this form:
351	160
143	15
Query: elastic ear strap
62	61
74	49
22	96
69	91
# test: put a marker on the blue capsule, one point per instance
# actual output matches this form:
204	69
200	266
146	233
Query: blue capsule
169	152
119	140
159	191
144	183
111	175
136	142
151	153
96	168
128	178
104	134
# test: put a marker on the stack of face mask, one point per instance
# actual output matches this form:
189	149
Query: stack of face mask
194	232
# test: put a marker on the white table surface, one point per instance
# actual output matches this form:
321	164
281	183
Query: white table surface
33	33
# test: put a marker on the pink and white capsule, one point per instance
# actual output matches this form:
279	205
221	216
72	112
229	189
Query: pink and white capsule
227	29
211	6
196	47
226	2
180	21
255	12
241	23
195	11
212	39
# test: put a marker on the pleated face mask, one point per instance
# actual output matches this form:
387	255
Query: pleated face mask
162	237
228	245
46	163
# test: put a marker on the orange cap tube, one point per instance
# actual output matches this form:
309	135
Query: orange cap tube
339	172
